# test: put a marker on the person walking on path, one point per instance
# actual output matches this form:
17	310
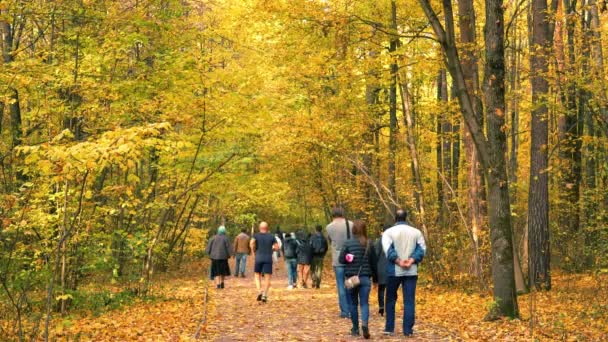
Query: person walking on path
338	231
359	256
219	250
319	249
242	250
304	258
290	252
263	244
381	267
276	255
404	247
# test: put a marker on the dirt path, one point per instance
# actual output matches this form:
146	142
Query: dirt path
295	315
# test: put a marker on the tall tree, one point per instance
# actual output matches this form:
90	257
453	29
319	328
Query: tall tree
538	195
470	69
491	148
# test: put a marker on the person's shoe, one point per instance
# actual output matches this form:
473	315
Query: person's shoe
217	286
388	333
264	299
304	286
221	285
354	331
344	315
290	287
381	311
259	297
408	334
365	332
242	275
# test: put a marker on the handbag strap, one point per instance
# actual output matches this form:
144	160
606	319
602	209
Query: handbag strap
364	254
347	229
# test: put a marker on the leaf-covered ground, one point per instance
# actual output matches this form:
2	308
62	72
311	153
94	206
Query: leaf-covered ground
575	310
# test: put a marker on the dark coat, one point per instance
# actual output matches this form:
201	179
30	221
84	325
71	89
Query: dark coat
304	251
219	248
366	262
381	262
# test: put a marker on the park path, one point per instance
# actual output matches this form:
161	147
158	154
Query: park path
295	315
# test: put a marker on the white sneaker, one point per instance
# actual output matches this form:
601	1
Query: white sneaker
290	287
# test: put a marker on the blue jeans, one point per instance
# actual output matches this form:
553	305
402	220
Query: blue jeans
408	287
343	297
241	263
292	271
360	294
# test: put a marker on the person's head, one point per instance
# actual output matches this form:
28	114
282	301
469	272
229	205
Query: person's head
243	230
318	228
293	235
337	212
400	215
263	227
221	230
360	231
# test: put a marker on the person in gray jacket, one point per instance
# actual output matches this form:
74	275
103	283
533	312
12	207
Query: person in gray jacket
219	250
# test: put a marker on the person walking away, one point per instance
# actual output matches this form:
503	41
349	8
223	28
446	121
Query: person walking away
242	250
381	267
404	247
319	249
276	255
304	258
290	247
359	256
263	244
219	250
338	231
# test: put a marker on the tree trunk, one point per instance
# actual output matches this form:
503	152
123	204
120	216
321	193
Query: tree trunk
470	69
569	132
538	195
442	99
393	107
492	149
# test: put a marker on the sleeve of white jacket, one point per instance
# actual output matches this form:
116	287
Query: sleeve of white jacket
387	241
276	238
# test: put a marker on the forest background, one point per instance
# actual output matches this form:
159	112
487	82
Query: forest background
129	129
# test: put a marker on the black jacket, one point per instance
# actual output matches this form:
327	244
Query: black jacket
290	248
367	262
304	251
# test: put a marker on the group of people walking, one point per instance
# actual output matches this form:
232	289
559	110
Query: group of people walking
390	261
304	255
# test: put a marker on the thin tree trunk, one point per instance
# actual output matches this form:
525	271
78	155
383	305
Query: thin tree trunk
394	42
406	103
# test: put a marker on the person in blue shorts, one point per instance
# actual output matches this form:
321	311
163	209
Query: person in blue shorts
263	244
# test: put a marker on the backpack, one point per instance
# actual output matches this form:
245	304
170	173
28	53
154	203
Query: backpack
319	244
289	248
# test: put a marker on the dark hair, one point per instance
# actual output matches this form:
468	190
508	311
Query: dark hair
360	231
400	215
318	228
337	212
243	230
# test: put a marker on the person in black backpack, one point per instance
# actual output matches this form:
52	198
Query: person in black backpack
290	252
319	249
304	257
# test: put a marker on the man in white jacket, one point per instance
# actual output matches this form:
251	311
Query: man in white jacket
404	247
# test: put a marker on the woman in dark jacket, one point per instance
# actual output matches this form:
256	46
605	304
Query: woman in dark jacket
219	250
304	258
359	256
